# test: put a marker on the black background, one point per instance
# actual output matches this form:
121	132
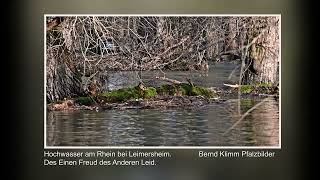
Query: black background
23	85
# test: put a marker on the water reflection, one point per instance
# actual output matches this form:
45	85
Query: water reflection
260	127
170	127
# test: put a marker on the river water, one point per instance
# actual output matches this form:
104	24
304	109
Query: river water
200	126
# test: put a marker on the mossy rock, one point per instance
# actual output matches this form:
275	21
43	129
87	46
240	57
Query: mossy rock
87	101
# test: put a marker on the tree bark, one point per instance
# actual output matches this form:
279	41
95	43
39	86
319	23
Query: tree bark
231	35
264	54
63	78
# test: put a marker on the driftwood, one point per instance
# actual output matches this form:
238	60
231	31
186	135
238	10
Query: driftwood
232	85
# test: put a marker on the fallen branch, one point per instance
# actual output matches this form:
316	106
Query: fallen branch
173	81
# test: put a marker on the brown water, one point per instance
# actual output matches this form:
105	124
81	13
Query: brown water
199	126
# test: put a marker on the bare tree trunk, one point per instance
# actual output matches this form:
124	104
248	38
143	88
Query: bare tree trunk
264	53
269	54
232	33
63	79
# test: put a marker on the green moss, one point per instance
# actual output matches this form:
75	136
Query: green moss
125	94
87	101
200	91
166	90
136	92
246	89
120	95
184	89
261	88
149	93
264	85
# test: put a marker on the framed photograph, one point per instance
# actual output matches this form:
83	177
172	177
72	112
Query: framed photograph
154	81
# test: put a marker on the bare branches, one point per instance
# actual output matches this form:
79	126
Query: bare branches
147	43
122	42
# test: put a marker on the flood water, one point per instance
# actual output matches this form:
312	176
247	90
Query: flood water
194	126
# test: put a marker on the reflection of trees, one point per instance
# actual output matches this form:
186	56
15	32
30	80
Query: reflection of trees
59	131
51	129
74	128
231	107
266	124
259	127
88	128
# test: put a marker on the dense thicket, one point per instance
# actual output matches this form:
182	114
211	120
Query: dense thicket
79	48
